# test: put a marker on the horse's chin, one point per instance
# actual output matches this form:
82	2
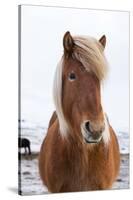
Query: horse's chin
92	141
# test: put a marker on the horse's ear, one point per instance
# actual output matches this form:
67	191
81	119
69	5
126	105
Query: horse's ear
102	40
68	43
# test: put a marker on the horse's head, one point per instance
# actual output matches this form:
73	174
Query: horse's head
77	88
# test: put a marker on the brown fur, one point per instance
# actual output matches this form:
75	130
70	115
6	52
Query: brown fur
70	164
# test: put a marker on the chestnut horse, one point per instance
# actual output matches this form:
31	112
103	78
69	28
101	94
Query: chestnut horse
80	151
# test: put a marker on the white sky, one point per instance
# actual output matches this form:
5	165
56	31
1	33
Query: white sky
41	48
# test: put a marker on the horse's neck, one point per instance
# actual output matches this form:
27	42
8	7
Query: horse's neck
76	146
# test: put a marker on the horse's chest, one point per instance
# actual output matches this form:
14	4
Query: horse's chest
84	174
76	174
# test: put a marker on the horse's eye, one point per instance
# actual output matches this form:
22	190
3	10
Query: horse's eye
72	76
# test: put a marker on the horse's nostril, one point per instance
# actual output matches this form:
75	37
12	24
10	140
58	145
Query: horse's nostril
87	126
93	129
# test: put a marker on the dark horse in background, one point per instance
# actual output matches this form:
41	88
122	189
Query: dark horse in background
24	143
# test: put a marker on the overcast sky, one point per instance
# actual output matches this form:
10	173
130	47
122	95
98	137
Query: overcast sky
41	49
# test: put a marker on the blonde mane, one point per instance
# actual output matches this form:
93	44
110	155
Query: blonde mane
89	52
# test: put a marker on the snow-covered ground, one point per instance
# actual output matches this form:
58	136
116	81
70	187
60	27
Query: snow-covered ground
31	183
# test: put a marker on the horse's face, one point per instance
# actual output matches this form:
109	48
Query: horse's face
82	101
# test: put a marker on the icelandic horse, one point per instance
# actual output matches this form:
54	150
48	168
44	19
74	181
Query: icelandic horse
80	151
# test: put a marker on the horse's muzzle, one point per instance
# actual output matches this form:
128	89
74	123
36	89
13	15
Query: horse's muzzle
89	135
